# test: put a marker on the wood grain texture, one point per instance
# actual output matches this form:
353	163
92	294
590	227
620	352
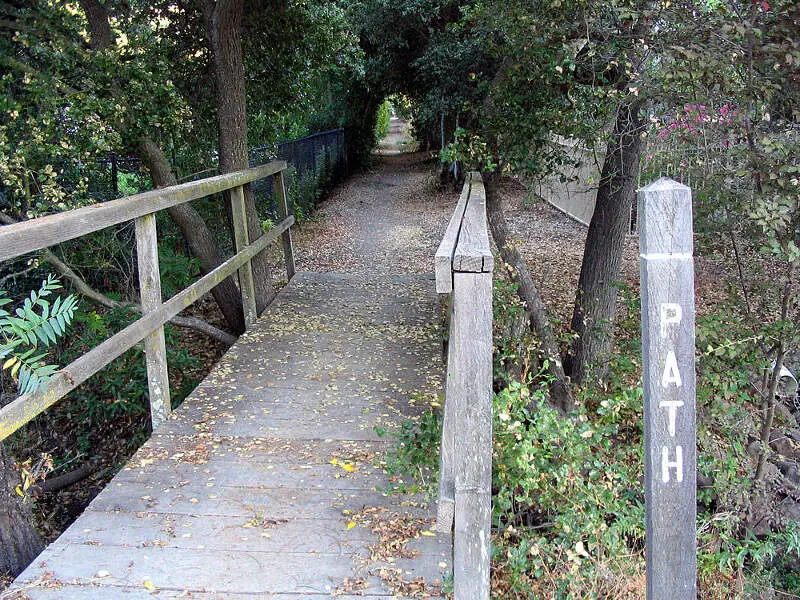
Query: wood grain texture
471	345
241	239
283	212
668	350
249	502
20	411
29	236
443	261
447	482
155	349
473	253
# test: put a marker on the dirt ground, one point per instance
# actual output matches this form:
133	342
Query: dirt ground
390	218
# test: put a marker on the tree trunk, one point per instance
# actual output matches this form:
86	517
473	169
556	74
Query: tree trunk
224	23
19	540
593	316
97	16
198	237
560	390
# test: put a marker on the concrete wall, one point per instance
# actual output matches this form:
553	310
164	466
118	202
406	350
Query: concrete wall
575	196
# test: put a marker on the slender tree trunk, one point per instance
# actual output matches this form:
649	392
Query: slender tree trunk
19	540
198	237
770	393
560	391
593	316
224	23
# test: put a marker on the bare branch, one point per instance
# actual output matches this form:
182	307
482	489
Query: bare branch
89	292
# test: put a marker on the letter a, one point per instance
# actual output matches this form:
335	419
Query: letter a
671	373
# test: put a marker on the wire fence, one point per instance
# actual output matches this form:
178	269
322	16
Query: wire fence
316	163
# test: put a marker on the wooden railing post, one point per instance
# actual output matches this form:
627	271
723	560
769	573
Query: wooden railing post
464	266
444	286
668	352
445	510
150	293
471	346
21	238
283	212
242	240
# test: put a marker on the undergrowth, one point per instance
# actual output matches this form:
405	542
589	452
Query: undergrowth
568	493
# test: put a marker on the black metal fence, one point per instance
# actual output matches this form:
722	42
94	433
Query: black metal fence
316	163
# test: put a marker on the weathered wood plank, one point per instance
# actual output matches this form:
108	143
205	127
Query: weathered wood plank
283	212
447	481
155	348
443	261
268	516
668	349
28	236
26	407
471	345
241	238
473	253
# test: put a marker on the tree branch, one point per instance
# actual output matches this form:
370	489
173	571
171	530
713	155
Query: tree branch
560	389
92	294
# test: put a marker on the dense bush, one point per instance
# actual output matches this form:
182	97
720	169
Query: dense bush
383	120
568	493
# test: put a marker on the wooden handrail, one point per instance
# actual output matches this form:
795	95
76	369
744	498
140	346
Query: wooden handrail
155	312
464	266
29	236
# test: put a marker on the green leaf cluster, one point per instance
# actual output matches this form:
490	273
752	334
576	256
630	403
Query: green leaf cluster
29	330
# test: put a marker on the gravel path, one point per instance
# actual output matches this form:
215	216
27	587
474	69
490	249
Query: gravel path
389	220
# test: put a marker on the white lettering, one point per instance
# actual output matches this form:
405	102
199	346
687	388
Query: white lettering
672	406
677	464
671	373
671	314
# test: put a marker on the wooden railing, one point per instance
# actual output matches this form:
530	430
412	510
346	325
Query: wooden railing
36	234
464	265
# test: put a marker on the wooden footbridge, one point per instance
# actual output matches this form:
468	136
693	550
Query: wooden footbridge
267	481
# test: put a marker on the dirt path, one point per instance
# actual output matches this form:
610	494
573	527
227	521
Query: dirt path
388	220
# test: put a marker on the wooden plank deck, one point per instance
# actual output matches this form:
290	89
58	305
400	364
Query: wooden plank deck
266	482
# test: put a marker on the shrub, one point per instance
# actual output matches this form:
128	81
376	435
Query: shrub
383	120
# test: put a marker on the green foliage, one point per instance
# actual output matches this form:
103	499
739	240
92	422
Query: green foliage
382	121
415	453
469	150
30	330
571	516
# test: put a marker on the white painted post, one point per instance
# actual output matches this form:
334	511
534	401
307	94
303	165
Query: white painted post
155	348
668	349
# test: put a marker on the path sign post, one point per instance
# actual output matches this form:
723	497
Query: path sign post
667	280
